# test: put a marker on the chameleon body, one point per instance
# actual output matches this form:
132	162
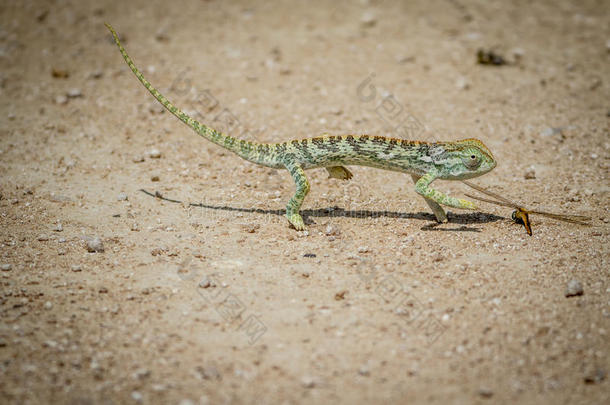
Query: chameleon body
424	161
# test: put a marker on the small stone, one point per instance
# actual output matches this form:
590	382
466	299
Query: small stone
42	237
135	227
462	84
574	288
485	392
207	283
154	154
331	230
364	371
58	227
549	131
61	99
141	373
48	305
363	249
76	268
74	93
154	177
6	267
595	376
308	382
95	245
158	251
136	396
102	290
96	74
60	73
138	159
530	173
340	295
122	197
368	19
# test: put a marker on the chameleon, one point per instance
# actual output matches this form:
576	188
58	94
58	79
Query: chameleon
424	161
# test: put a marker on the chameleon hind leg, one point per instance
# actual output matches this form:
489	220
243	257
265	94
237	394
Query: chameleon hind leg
438	211
294	205
422	186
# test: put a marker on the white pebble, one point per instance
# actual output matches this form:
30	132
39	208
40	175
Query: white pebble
95	245
74	92
122	197
368	19
6	267
48	305
154	154
574	288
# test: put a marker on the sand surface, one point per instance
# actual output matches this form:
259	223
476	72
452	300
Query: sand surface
214	299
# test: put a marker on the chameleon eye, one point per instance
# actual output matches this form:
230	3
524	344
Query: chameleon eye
472	162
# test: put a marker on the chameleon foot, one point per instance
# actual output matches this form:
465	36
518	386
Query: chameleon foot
296	221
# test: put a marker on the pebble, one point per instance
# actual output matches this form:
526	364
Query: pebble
364	371
96	74
154	154
549	131
154	177
331	230
58	227
595	376
48	305
42	237
207	283
308	382
530	173
368	19
95	245
363	249
61	99
136	396
135	227
122	197
608	45
485	392
340	295
574	288
74	93
76	268
6	267
462	84
138	159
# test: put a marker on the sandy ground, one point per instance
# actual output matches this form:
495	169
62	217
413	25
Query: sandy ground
219	301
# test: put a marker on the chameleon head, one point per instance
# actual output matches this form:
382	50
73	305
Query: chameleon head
465	159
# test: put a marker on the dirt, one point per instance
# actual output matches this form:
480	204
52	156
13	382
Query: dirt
112	295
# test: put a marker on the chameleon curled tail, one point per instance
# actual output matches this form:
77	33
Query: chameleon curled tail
424	161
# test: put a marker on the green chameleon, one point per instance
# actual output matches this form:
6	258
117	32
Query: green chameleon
425	161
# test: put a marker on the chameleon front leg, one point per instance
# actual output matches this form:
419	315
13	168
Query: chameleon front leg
294	205
438	211
422	186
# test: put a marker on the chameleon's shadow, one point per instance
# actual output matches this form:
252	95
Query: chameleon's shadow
463	219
